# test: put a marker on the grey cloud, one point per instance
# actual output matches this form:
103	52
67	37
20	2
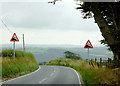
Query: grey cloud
44	16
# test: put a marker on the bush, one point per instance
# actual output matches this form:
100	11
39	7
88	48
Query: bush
7	53
18	54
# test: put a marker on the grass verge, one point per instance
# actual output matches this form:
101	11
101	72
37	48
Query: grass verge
24	63
90	75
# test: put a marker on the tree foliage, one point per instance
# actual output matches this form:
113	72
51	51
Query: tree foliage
107	16
71	55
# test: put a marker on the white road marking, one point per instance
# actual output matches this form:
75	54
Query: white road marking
54	71
77	75
22	76
51	74
47	77
43	80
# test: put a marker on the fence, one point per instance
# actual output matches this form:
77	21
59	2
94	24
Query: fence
100	62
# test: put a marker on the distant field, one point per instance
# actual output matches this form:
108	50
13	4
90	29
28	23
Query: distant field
45	53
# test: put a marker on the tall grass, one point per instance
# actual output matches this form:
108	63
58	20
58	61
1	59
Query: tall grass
23	63
90	75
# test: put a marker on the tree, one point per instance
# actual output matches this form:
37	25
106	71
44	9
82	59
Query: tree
71	55
107	16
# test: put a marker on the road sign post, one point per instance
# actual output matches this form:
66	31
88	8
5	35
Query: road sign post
14	39
14	49
88	57
88	45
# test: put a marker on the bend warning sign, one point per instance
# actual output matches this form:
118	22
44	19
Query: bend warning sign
14	38
88	44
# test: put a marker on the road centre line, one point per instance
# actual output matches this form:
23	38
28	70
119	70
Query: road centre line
51	74
43	80
47	77
76	74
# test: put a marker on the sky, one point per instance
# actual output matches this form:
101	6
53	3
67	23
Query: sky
44	23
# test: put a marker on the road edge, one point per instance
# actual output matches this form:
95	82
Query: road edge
22	76
78	75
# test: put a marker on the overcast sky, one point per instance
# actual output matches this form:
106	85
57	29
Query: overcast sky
44	23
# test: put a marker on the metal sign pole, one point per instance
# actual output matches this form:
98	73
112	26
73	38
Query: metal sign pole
14	49
23	43
88	45
88	57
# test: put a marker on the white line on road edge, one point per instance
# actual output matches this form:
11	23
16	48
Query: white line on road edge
23	75
77	75
75	72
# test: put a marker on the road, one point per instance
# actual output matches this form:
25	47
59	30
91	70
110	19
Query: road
49	75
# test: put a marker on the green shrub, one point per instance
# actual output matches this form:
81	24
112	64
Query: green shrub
18	54
7	53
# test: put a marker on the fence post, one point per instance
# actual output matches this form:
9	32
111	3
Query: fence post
100	62
109	60
95	61
98	65
92	63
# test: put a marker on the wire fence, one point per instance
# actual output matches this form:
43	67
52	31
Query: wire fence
100	62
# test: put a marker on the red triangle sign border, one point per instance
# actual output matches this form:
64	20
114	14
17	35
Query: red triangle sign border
13	37
87	43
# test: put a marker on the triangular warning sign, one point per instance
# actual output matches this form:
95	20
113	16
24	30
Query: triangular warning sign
14	38
88	45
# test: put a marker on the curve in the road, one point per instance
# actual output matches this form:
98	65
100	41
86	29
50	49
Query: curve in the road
49	75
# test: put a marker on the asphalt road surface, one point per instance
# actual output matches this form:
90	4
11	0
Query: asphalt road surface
49	75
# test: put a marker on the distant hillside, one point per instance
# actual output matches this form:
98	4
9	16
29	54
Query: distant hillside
48	52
